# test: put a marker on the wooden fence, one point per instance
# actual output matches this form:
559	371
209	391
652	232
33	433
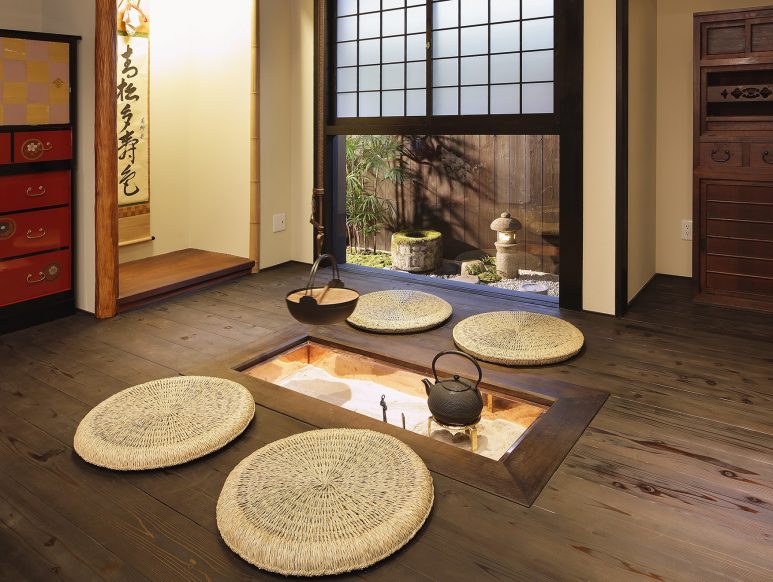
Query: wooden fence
459	184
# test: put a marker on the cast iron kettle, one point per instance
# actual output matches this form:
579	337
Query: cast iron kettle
456	401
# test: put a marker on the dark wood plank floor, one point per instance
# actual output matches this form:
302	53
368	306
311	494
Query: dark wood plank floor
673	480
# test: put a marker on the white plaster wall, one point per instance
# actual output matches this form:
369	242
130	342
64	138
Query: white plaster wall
599	155
277	164
286	128
302	130
21	14
218	143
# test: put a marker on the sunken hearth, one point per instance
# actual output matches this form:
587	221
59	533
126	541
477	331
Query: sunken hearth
394	395
336	377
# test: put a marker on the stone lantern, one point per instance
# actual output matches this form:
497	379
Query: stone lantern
507	259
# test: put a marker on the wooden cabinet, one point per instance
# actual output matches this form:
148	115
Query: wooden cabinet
37	170
733	159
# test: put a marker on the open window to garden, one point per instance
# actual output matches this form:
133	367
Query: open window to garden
446	125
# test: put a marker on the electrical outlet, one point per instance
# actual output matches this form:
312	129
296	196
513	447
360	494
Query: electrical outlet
687	230
280	222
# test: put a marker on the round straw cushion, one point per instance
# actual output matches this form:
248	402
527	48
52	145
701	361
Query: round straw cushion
164	422
400	311
324	502
518	338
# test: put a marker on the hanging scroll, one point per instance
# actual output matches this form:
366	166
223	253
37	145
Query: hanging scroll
132	92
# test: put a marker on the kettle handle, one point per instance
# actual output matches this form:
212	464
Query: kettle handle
457	353
335	282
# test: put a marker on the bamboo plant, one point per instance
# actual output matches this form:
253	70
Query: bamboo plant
371	160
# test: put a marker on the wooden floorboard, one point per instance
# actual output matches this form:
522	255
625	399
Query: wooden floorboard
673	480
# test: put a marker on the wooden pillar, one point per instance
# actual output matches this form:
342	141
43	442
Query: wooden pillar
320	120
106	155
255	140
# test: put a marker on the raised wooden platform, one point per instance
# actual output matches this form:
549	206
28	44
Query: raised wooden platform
154	278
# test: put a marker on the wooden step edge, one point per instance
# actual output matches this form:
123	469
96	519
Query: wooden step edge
204	280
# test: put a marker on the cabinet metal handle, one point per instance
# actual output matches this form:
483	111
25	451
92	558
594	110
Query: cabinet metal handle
41	230
41	192
40	279
714	157
766	157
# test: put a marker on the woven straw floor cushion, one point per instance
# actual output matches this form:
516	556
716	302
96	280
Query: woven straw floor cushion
518	338
400	311
324	502
164	422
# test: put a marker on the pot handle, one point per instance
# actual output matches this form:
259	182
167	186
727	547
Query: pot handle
334	282
457	353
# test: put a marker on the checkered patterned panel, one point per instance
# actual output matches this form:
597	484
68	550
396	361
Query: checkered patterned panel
34	82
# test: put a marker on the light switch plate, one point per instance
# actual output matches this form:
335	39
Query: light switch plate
280	222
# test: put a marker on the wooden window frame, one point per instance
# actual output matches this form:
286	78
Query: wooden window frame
566	121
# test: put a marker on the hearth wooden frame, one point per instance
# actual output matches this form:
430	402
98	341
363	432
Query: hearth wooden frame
521	474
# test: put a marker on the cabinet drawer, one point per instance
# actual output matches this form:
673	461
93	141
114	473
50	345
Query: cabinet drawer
739	229
739	192
758	249
759	212
721	155
33	277
5	148
25	191
761	156
739	284
739	266
42	146
32	232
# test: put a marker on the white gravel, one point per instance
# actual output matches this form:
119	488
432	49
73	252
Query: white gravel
517	284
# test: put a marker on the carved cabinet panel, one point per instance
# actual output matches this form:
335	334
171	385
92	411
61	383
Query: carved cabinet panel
733	197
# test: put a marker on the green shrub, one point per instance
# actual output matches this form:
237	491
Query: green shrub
486	271
376	260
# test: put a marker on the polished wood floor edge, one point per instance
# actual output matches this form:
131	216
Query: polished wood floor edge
154	278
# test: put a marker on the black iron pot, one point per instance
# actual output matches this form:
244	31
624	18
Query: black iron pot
322	305
455	402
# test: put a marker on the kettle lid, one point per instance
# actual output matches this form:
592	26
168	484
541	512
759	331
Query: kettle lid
456	384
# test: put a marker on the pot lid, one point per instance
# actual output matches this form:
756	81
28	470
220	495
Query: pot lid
456	384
